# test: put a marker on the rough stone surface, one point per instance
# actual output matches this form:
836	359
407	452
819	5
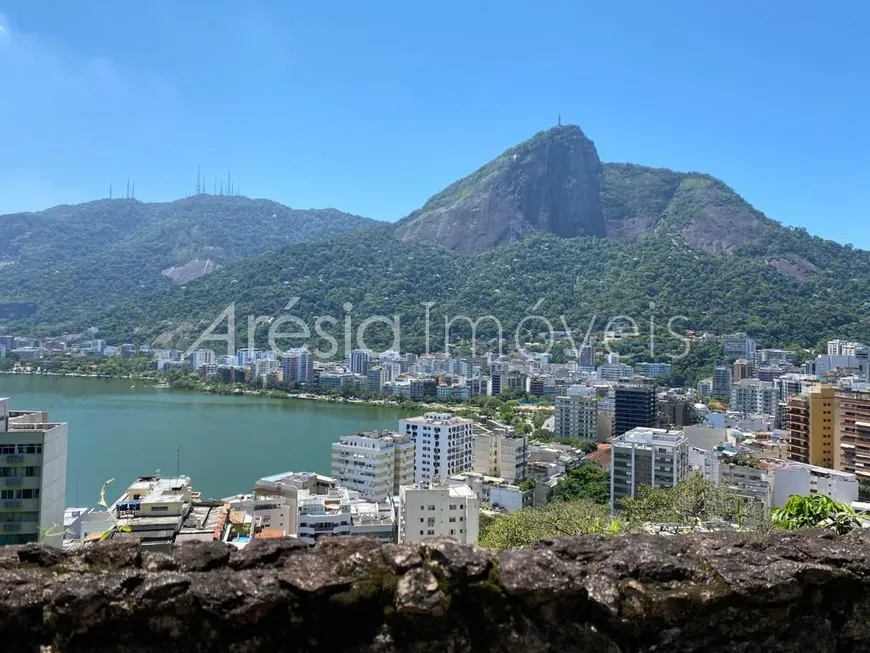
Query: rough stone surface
734	593
550	183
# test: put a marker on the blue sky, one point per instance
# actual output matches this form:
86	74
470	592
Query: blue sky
371	107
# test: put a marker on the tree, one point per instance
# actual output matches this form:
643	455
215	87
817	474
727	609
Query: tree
561	518
693	503
587	481
815	511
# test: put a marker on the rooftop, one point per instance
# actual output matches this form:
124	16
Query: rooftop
650	436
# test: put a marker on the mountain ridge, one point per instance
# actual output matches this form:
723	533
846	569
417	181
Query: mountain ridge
543	220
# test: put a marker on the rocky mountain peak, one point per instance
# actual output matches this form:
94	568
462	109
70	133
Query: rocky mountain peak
551	183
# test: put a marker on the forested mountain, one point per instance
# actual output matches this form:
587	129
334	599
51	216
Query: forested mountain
545	229
74	260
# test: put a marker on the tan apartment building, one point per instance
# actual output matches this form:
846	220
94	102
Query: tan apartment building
812	437
852	414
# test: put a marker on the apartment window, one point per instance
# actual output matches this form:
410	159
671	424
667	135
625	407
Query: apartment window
159	508
7	494
431	507
452	532
452	506
430	532
461	518
421	520
7	471
29	448
30	494
421	532
452	519
7	449
31	471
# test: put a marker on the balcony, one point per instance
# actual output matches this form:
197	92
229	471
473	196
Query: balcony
11	526
15	458
14	481
12	503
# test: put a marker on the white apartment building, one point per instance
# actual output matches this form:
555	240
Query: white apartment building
374	463
153	509
772	481
646	456
577	413
201	357
427	511
842	347
497	492
754	397
443	445
500	454
615	372
343	512
32	477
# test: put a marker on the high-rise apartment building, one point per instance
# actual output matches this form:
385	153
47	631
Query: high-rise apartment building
738	345
634	406
32	477
443	445
358	360
374	463
500	454
427	511
643	456
812	437
577	413
742	369
297	365
587	357
753	396
722	381
673	411
852	432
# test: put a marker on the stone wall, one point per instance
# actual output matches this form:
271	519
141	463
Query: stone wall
732	593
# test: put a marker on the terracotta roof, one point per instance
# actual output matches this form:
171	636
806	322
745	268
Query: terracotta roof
269	534
601	456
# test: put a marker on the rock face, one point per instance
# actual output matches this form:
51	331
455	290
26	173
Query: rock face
733	593
551	183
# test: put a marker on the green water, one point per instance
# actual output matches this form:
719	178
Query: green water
226	442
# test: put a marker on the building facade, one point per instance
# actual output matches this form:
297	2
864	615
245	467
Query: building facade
438	511
721	381
853	432
374	463
443	445
753	396
634	407
811	434
577	413
33	470
501	455
646	456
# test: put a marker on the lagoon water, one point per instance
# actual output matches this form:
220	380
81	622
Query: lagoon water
225	442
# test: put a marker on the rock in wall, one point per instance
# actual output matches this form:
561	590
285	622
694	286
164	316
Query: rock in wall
796	592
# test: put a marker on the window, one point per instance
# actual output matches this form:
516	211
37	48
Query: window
7	449
430	532
421	520
452	532
159	508
461	518
452	519
7	494
421	532
452	506
431	507
32	471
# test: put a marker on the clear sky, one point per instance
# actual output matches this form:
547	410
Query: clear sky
371	107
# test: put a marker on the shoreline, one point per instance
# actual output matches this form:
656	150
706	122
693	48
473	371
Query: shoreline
158	384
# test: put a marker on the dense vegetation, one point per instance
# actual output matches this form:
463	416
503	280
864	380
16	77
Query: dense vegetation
75	260
694	504
679	244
